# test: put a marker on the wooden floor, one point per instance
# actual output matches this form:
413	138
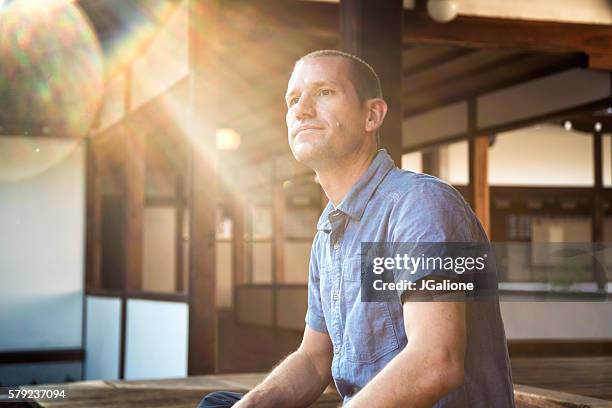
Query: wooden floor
589	376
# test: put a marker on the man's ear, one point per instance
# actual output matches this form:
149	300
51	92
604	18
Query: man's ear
377	109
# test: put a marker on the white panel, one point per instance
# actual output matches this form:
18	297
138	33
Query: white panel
224	274
297	259
165	61
42	225
262	262
159	249
435	124
557	320
413	162
454	163
550	94
583	11
156	342
102	338
549	156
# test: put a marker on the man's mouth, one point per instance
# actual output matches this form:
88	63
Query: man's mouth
306	129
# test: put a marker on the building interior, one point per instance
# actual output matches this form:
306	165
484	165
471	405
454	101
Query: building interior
156	229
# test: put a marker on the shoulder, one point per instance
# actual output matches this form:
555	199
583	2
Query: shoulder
427	208
410	188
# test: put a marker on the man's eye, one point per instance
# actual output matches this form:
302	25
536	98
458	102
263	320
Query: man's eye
293	101
325	92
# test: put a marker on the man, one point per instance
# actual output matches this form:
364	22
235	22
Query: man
406	353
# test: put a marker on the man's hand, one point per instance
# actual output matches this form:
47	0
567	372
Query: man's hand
300	379
429	367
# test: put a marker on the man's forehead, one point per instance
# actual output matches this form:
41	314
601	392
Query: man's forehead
319	69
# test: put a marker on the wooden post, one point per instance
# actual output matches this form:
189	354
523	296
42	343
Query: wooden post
203	15
133	163
278	233
179	220
479	171
93	217
597	216
372	30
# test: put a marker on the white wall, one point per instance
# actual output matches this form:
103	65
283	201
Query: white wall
542	155
561	320
42	239
583	11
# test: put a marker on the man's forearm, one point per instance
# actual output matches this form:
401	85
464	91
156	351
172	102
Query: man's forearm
293	383
412	379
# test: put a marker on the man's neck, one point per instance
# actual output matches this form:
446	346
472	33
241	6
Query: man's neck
336	181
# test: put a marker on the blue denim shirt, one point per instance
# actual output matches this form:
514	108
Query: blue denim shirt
391	205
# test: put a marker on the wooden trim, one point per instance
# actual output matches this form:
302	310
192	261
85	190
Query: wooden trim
559	348
122	338
42	356
104	292
158	296
597	216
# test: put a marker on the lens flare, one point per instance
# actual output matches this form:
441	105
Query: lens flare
51	75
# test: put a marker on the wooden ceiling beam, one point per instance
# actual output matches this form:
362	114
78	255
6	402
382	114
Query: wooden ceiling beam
537	36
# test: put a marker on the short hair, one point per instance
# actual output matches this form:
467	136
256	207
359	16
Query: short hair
363	77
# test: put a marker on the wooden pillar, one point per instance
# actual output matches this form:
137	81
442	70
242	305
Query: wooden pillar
479	171
133	164
93	217
372	30
202	348
238	230
597	216
179	220
278	234
431	161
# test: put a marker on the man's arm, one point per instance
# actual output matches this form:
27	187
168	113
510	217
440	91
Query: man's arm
300	379
429	367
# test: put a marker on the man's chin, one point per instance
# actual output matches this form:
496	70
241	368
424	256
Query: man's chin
307	154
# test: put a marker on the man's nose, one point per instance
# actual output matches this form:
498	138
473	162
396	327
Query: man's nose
304	108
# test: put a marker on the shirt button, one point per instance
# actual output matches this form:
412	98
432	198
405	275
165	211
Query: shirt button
337	350
335	296
336	245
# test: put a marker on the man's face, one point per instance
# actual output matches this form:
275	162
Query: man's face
325	119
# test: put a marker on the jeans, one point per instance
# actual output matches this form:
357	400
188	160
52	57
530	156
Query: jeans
220	399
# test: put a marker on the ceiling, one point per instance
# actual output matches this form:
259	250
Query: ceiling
262	42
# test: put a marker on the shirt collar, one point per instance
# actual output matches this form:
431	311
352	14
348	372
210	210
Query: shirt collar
355	201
